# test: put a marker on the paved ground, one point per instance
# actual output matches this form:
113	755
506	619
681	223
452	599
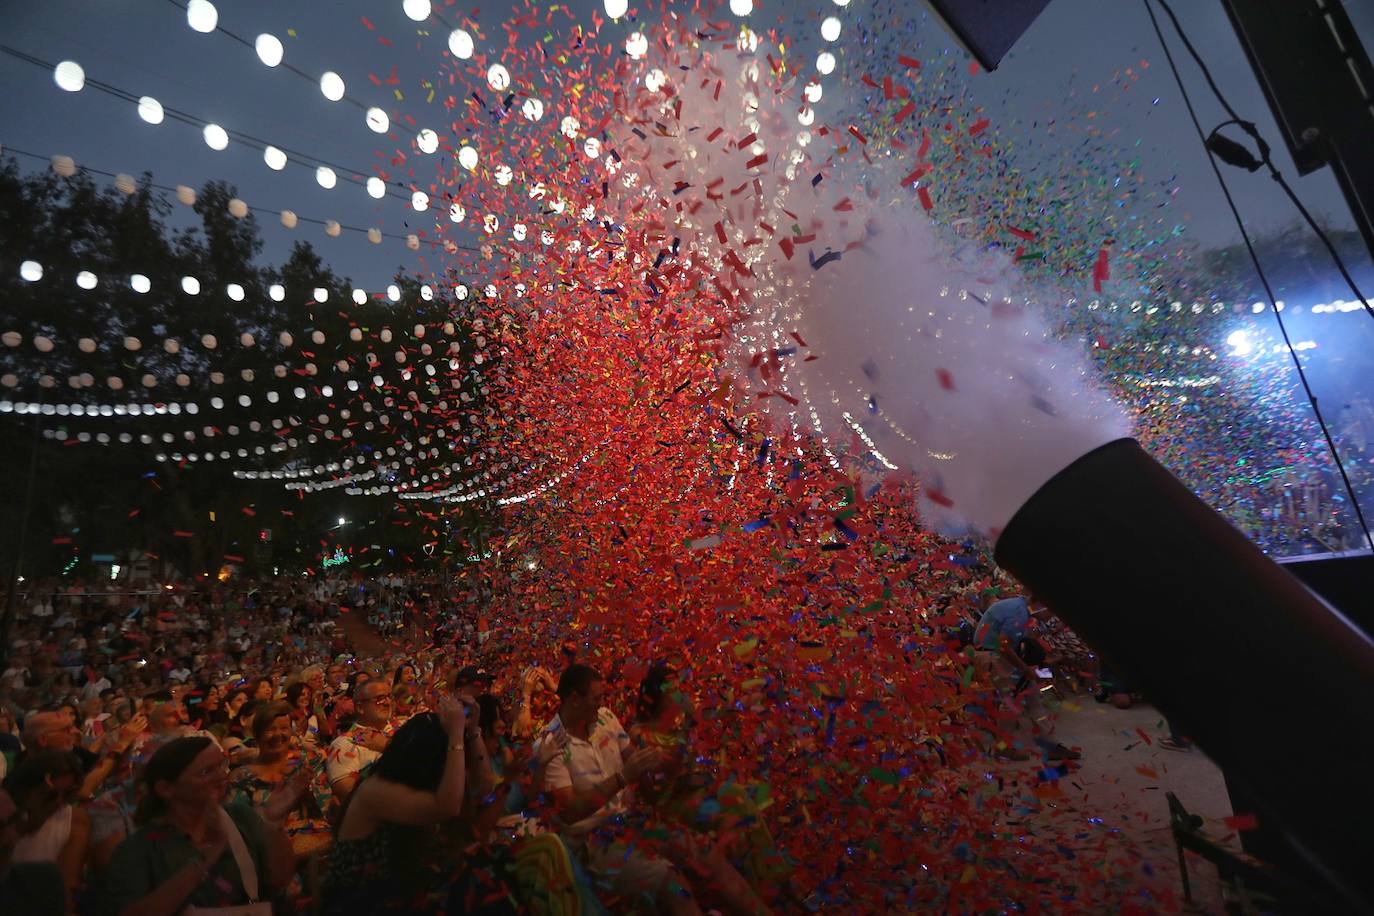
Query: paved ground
1123	778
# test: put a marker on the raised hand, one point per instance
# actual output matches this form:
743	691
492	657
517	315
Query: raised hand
286	797
453	715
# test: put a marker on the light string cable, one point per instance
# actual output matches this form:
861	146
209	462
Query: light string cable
305	160
1259	269
254	208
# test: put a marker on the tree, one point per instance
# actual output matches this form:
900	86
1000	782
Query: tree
250	370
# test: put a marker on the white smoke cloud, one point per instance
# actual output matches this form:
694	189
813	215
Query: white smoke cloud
931	346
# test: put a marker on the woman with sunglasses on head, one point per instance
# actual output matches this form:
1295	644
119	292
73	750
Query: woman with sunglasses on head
190	849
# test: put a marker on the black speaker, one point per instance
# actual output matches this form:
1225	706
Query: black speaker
988	28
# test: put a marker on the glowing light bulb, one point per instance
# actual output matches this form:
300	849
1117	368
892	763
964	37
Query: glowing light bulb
636	46
377	121
326	177
617	8
269	49
418	10
68	75
825	63
741	7
201	15
216	137
427	141
467	158
332	86
275	158
376	187
830	28
150	109
460	44
498	77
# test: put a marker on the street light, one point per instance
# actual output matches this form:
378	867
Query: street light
342	520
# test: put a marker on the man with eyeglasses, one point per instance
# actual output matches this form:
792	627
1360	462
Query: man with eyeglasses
361	745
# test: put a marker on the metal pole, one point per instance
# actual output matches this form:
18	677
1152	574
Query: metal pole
7	621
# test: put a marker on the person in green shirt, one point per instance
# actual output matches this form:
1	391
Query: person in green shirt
180	854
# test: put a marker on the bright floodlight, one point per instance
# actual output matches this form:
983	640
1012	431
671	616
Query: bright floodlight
332	86
69	76
427	140
376	187
830	28
617	8
741	7
201	15
416	9
150	109
378	121
275	158
31	271
460	43
326	177
269	49
825	63
216	137
140	283
342	520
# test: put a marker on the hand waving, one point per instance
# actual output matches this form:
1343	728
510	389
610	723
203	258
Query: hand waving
286	797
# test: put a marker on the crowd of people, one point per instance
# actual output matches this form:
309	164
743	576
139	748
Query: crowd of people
250	744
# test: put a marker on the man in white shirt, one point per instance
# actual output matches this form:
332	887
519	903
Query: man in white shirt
361	745
588	768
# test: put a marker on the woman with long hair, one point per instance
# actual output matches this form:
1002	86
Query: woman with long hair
305	725
192	850
52	829
383	859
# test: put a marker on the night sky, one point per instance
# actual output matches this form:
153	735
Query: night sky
146	47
